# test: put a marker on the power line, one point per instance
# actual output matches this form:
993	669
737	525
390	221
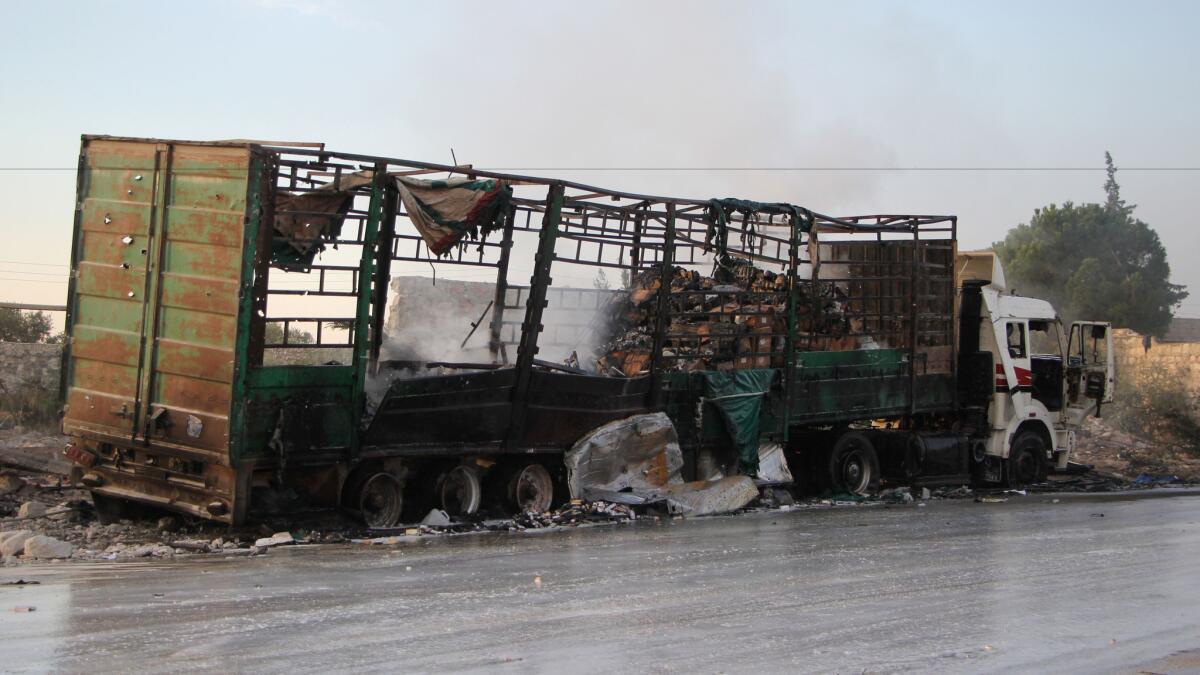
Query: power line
709	168
39	274
22	262
34	281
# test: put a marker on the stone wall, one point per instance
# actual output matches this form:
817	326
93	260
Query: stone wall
24	363
1135	354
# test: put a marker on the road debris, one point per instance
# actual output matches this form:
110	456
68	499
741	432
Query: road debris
900	495
47	548
436	518
13	542
632	456
1112	452
625	468
31	510
277	539
703	498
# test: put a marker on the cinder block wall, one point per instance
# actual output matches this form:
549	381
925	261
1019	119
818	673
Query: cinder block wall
1133	357
22	362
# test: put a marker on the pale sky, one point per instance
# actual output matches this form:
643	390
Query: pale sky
539	86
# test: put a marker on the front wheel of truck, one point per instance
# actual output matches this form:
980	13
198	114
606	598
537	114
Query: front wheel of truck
1026	463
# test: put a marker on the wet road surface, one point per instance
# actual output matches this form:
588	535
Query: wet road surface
1027	585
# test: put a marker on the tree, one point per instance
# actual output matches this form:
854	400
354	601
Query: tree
273	335
1094	261
18	326
600	281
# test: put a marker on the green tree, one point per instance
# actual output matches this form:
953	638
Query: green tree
1094	261
18	326
273	335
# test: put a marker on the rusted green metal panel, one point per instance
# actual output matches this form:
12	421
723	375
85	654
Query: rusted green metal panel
849	385
108	301
156	295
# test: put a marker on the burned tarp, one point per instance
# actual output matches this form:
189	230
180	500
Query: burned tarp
738	398
635	454
722	211
304	221
444	211
637	460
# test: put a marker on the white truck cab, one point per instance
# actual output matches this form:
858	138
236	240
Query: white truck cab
1047	379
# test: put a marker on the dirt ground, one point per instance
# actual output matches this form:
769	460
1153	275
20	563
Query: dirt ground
1120	454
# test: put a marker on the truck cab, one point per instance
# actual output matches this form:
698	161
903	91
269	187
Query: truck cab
1047	377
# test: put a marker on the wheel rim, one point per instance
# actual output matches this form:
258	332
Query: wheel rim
461	492
855	473
380	501
533	489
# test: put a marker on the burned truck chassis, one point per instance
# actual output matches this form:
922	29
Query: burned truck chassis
852	317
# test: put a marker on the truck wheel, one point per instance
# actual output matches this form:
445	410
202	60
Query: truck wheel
460	491
853	465
531	489
1026	463
380	500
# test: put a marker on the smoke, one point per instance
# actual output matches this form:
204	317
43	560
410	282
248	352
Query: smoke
650	85
432	322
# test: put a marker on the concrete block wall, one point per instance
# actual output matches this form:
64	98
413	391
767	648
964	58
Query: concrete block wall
1135	354
22	362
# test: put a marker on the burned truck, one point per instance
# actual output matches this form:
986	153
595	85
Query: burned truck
229	337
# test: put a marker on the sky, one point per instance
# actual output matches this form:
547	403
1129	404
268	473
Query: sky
567	89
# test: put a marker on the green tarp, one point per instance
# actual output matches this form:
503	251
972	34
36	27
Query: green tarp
721	211
738	397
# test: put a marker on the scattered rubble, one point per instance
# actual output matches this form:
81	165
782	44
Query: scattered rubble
436	518
41	547
13	543
703	498
1125	457
31	510
33	450
900	495
44	518
277	539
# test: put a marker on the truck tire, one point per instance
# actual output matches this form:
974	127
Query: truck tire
460	491
1026	463
853	465
376	497
531	488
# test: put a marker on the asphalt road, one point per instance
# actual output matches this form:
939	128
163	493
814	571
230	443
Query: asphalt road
1088	584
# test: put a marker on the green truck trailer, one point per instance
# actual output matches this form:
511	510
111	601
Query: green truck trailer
227	332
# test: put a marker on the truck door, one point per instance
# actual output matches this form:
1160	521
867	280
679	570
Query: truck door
1091	373
154	301
1014	373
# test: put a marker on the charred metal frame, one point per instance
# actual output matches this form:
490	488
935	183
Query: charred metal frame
598	228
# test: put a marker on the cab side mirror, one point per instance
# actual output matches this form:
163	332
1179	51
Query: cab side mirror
1098	332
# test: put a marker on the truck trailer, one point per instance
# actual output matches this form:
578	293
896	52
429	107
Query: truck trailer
227	336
